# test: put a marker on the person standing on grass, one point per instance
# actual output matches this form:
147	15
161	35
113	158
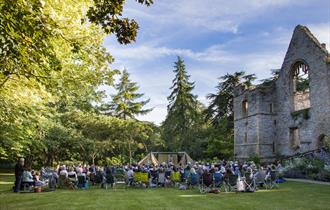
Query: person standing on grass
18	174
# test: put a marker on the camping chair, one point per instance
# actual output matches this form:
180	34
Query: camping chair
230	183
161	178
64	182
52	181
168	182
98	178
207	182
270	180
140	179
175	177
218	179
260	179
82	182
119	178
109	180
153	179
27	186
249	181
92	177
73	179
193	179
185	175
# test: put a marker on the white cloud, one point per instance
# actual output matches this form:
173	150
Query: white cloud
214	15
155	83
140	53
150	60
322	32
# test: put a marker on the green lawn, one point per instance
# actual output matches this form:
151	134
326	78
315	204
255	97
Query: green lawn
291	195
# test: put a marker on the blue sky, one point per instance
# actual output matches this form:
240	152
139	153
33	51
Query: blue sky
214	37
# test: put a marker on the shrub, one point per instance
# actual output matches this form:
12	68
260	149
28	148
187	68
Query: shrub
255	158
113	161
307	167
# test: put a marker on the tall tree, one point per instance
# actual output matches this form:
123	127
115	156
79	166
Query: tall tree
124	103
28	29
51	62
220	114
221	105
26	32
182	110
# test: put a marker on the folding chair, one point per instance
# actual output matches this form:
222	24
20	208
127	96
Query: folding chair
82	182
249	181
153	179
109	180
73	179
260	179
27	186
140	179
168	182
270	180
64	182
218	178
161	178
193	180
175	177
207	182
120	178
230	183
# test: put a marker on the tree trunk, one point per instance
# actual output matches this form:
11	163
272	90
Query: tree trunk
130	152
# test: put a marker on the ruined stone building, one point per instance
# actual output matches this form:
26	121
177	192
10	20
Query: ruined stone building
291	113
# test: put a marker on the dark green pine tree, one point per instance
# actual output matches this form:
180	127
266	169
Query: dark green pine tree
182	110
124	103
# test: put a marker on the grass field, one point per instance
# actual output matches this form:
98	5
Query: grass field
290	195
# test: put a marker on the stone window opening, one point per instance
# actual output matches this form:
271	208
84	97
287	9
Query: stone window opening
294	138
245	137
245	107
300	85
271	108
273	147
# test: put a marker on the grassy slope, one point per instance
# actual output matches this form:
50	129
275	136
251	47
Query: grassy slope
291	195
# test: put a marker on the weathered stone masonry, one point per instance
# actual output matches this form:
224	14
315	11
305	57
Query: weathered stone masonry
279	118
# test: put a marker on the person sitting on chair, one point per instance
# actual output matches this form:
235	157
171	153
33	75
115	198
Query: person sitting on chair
63	171
82	179
27	176
27	180
73	176
207	178
38	182
92	174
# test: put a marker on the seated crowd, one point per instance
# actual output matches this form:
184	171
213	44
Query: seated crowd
232	175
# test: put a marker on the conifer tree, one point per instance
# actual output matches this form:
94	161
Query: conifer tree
182	110
124	103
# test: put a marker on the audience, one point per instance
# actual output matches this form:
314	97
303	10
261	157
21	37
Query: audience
158	175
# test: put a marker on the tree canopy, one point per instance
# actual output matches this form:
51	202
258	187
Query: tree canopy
52	63
124	102
183	109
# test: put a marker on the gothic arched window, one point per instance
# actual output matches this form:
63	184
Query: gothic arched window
300	85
